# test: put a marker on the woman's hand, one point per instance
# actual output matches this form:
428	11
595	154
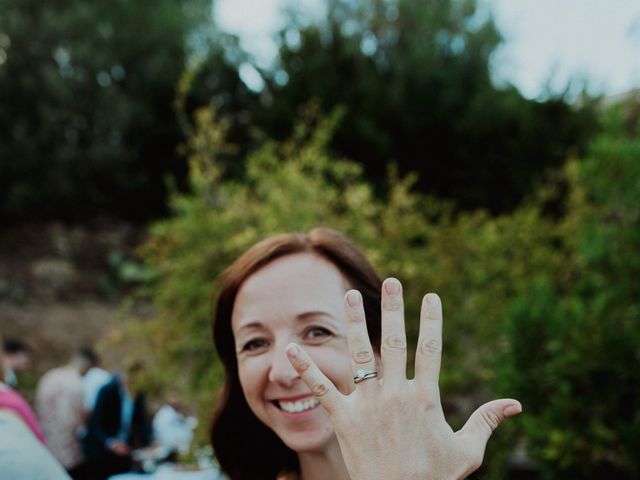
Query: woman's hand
394	428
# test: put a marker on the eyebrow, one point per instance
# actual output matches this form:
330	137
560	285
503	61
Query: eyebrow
305	316
313	314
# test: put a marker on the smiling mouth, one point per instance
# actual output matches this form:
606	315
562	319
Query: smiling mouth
297	406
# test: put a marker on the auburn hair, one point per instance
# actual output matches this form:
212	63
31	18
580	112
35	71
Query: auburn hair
245	448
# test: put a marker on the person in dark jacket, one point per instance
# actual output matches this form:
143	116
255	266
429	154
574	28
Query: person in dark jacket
118	426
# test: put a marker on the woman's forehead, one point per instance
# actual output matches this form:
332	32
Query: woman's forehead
306	268
290	285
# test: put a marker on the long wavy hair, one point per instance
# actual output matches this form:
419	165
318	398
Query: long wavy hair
245	448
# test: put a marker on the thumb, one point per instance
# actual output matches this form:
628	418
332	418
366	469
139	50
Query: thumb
486	419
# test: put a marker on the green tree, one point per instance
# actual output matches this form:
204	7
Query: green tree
473	261
415	80
87	126
291	185
572	343
544	309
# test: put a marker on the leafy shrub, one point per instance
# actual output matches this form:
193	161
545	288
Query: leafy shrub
542	309
291	185
572	343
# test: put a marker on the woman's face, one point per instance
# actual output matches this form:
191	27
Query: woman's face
296	298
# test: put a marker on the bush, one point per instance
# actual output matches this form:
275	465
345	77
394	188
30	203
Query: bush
87	126
572	343
291	185
542	309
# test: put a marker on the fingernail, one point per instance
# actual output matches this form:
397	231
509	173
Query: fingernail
353	298
431	299
392	286
293	351
513	409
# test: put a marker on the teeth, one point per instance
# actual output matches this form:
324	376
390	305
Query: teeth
299	406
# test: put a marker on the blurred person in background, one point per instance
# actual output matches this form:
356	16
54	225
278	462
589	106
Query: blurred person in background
118	425
17	355
93	380
22	456
60	407
13	403
172	427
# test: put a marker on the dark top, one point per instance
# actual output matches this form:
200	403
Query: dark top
105	420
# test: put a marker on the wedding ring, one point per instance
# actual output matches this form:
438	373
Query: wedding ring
362	375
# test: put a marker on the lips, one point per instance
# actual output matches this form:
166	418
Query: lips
297	406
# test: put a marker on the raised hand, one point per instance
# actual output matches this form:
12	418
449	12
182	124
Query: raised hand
390	427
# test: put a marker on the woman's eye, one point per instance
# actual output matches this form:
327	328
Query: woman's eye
318	332
254	344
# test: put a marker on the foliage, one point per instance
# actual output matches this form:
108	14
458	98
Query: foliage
86	88
123	273
292	185
572	343
296	185
89	126
540	308
415	80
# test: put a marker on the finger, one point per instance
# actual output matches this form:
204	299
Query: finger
485	420
429	351
394	340
362	357
325	391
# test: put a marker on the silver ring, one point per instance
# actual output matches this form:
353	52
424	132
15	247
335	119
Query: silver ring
362	375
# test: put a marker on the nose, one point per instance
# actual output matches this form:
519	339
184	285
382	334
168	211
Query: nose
281	371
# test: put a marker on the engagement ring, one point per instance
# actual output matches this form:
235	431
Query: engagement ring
362	375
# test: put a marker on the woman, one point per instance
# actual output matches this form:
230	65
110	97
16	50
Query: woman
22	449
299	326
12	402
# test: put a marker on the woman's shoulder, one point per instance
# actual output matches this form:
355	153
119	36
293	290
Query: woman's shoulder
9	398
23	456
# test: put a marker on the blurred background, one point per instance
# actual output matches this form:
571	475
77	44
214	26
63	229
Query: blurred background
484	149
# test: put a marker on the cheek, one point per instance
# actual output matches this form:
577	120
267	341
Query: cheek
249	376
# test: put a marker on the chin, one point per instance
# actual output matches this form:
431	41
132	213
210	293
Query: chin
307	431
308	442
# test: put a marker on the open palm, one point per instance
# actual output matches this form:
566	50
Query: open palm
392	427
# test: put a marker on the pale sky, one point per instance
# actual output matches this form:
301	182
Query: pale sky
547	42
